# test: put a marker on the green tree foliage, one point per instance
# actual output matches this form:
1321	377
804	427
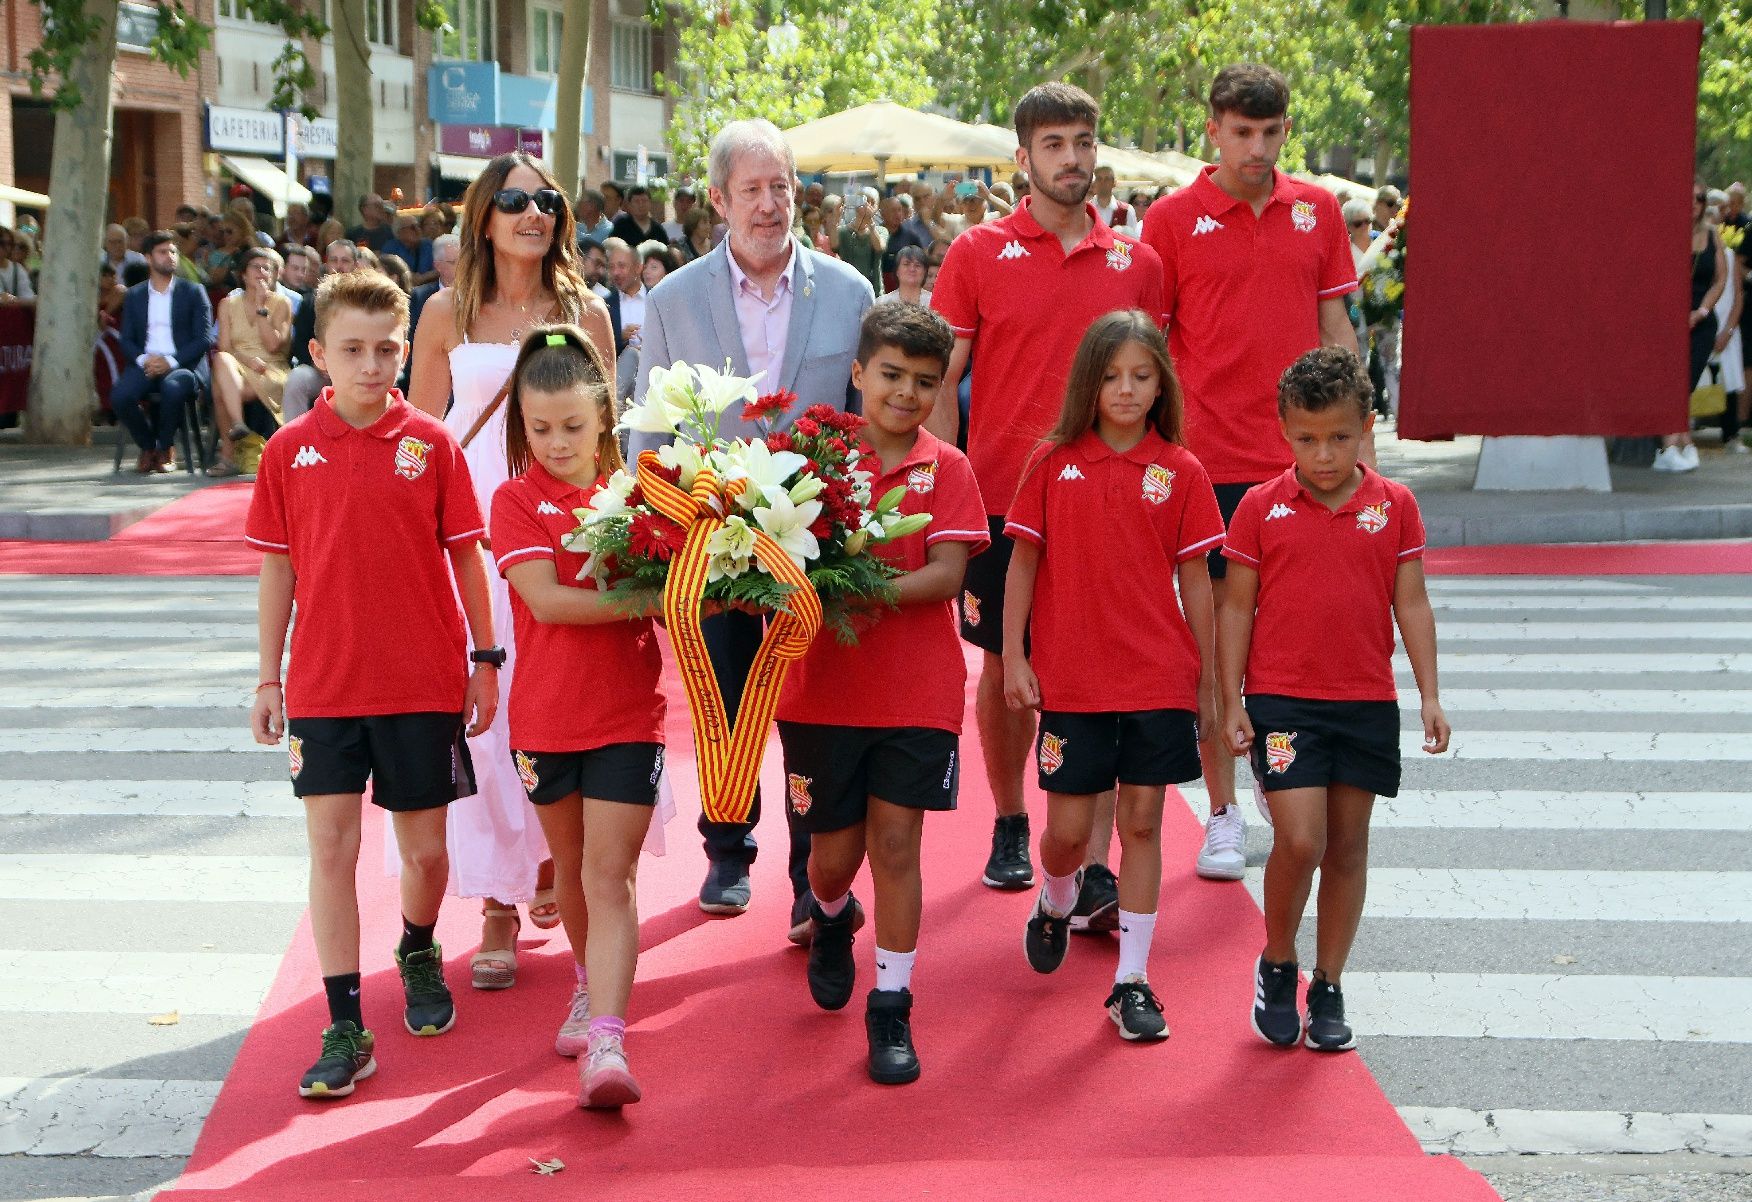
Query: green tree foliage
734	63
1724	86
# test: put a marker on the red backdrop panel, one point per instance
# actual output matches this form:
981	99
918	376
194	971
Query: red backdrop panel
1547	268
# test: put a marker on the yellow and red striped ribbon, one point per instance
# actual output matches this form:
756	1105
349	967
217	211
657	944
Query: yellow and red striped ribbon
729	759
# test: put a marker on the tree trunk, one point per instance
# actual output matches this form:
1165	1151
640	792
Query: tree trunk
62	391
575	34
1383	153
356	139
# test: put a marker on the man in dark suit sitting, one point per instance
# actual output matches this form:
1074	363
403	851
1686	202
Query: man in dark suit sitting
166	332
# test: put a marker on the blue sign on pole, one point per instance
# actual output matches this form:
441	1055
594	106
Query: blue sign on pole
460	93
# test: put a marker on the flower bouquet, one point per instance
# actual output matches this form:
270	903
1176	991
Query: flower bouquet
781	524
1383	287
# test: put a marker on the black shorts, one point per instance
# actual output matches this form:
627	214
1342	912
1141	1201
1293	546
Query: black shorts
619	772
982	592
1082	753
414	761
831	772
1304	744
1228	500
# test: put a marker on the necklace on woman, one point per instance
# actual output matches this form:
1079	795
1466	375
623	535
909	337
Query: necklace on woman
523	321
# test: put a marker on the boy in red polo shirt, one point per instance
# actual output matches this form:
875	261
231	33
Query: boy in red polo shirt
1324	557
358	506
1255	267
1019	292
863	784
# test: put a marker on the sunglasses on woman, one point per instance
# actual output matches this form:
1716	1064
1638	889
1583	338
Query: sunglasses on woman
512	201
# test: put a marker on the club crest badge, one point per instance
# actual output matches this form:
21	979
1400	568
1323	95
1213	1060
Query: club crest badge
923	478
1280	750
1302	216
295	755
797	792
1158	484
410	458
1052	753
969	608
1120	257
526	771
1372	519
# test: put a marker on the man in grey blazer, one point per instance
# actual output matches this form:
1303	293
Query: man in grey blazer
765	303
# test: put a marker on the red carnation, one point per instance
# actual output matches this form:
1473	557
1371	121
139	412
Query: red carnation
821	413
778	442
807	427
771	405
822	527
848	423
671	474
839	445
636	498
652	536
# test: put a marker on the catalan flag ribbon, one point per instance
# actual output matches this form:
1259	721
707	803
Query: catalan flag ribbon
729	759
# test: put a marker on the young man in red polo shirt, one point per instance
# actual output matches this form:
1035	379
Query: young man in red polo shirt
358	505
1022	290
863	784
1326	555
1255	268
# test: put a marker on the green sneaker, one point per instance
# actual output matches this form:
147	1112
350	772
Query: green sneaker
346	1058
430	1010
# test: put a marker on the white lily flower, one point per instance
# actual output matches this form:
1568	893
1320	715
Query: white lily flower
895	525
765	470
605	503
807	489
720	390
788	525
668	399
734	538
683	455
622	482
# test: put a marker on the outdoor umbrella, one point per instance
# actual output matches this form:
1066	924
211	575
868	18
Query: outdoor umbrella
883	136
22	196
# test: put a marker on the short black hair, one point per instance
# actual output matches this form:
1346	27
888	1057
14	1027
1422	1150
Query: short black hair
1054	103
1250	90
913	330
1322	378
637	190
156	239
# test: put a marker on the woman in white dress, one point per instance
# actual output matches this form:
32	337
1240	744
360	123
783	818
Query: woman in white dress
518	269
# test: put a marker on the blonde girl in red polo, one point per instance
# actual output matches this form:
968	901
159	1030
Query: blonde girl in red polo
1113	515
586	716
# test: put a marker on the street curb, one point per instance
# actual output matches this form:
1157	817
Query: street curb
72	525
1679	523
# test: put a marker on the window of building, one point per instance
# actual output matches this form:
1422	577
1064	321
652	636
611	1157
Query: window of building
380	23
626	165
544	39
236	10
468	35
631	57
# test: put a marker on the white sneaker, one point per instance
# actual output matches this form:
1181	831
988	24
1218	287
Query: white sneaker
1736	447
1222	858
574	1036
1668	459
1688	458
604	1081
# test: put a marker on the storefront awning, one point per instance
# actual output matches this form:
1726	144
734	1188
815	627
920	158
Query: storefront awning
461	168
266	178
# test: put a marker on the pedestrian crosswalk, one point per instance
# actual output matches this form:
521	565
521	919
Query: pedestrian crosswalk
1558	908
1554	956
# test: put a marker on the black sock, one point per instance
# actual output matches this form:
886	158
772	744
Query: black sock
343	999
415	938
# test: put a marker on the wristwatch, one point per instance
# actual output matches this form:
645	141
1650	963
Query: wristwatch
490	655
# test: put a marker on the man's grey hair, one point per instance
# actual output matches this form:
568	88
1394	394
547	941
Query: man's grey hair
445	242
611	244
739	138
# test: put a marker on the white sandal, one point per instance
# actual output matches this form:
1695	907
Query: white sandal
497	969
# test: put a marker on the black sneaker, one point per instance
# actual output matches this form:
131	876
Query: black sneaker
726	890
1135	1011
832	969
430	1010
1046	937
888	1024
1008	867
1275	1017
803	927
346	1058
1327	1030
1097	906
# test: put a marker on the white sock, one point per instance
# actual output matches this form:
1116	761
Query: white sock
1135	933
832	908
1061	894
894	969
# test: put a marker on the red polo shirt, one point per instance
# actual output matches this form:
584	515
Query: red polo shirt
576	688
907	668
366	517
1323	623
1242	299
1108	635
1010	286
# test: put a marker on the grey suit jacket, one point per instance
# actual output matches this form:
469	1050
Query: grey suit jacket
691	318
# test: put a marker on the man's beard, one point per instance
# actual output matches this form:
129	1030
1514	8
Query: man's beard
1068	195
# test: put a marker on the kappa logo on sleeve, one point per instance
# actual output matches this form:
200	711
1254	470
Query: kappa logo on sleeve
923	478
797	792
1206	224
295	755
1280	510
1158	484
1303	217
1013	250
1280	750
1372	519
410	458
1052	753
526	771
1070	472
548	508
308	456
969	608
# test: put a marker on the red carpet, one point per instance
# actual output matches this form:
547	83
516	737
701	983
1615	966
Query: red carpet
751	1091
197	535
1726	557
